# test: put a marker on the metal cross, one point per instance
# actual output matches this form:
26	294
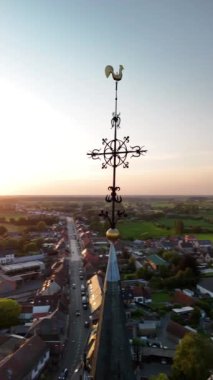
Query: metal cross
115	154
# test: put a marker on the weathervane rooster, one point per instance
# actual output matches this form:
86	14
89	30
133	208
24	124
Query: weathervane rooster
116	76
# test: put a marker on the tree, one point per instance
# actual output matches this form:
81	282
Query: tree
137	313
3	230
12	243
164	271
30	247
193	358
144	273
131	264
179	227
195	317
41	226
168	255
9	312
188	261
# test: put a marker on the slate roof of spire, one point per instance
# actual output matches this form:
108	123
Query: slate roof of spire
112	357
112	273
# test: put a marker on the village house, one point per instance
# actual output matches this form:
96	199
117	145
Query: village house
156	261
27	362
177	331
183	298
9	344
52	330
8	284
6	256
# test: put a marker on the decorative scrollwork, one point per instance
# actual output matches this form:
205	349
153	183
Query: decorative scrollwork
115	153
113	197
138	151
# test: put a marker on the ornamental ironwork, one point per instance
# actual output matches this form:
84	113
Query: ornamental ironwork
115	153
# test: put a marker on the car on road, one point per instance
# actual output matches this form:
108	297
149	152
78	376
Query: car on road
86	324
77	369
64	374
77	313
73	286
155	344
163	361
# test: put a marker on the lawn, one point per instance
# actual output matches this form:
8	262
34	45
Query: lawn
160	297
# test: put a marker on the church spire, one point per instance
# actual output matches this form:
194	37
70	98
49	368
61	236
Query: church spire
112	358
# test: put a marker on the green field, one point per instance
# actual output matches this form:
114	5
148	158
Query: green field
9	226
15	215
162	204
140	230
205	237
131	230
169	222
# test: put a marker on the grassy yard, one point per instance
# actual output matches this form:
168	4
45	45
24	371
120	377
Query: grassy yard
160	297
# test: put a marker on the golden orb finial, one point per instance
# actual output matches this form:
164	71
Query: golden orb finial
112	234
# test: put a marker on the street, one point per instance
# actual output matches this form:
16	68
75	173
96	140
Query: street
77	333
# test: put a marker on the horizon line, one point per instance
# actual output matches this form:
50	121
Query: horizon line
101	195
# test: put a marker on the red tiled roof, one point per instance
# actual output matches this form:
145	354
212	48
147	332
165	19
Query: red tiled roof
137	291
183	299
176	329
89	257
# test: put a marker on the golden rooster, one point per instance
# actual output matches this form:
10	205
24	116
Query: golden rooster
116	76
